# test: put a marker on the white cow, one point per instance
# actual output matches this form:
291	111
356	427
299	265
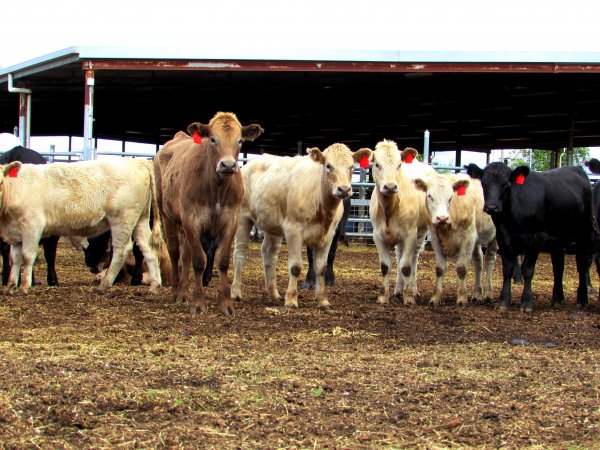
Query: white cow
297	198
399	216
79	199
459	227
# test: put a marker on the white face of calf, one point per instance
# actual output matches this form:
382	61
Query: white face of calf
338	163
387	161
440	192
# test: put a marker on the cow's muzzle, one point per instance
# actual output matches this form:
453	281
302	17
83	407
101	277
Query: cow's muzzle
491	209
389	189
343	192
227	167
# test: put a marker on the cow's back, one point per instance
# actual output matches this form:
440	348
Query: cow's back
77	198
25	155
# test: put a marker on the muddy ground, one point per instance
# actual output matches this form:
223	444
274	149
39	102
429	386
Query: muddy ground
80	370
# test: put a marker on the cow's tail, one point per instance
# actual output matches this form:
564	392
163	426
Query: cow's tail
157	237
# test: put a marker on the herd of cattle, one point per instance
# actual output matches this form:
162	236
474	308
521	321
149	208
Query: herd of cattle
195	196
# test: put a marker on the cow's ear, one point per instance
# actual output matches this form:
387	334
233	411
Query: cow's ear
408	154
11	170
519	174
360	155
421	184
251	132
594	165
462	185
316	154
474	171
203	130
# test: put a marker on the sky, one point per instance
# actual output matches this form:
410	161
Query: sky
32	28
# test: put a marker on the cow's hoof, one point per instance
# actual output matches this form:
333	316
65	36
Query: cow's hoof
502	307
382	300
198	309
227	310
325	307
526	309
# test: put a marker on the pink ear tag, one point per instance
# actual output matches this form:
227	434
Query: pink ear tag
12	173
409	158
462	190
520	179
197	138
364	162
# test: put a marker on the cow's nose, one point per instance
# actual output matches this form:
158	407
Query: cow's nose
344	191
390	188
227	165
490	208
441	220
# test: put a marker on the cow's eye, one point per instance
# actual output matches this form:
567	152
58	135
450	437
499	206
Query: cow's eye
213	141
329	167
378	166
429	197
240	142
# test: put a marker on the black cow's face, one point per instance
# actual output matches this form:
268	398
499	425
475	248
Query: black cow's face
98	252
495	181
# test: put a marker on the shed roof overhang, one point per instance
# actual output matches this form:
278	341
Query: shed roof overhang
468	101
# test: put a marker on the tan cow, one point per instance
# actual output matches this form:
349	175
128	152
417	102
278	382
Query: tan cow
399	217
298	198
200	191
459	227
79	199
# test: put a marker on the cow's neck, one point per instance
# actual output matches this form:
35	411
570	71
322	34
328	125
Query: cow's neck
327	206
389	205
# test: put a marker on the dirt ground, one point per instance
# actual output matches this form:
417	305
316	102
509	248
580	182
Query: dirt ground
82	370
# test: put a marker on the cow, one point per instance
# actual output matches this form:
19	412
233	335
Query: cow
78	199
310	281
459	227
28	156
200	193
535	211
399	216
299	198
594	166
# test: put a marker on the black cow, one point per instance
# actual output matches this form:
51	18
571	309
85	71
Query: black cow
310	281
594	166
28	156
539	210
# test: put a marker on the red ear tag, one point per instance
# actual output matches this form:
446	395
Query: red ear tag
520	179
364	162
462	190
409	158
12	173
197	138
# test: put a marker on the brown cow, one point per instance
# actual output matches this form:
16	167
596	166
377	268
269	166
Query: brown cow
200	192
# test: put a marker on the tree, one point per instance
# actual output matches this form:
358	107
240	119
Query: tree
541	160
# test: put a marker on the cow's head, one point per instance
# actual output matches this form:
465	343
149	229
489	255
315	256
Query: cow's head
338	163
440	191
594	165
387	162
98	252
225	135
496	180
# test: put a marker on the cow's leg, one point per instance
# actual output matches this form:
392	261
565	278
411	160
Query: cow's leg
477	272
320	268
440	270
399	286
122	245
29	249
490	263
192	237
294	243
240	249
222	255
183	267
16	261
142	236
329	273
558	268
528	270
270	251
138	256
50	244
309	282
5	250
462	263
583	258
385	261
415	260
508	262
406	269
